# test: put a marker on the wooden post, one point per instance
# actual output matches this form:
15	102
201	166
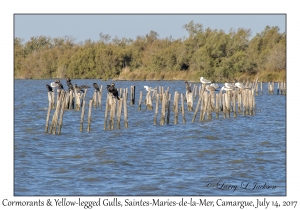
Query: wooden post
190	101
261	88
224	105
176	99
112	114
217	106
140	101
163	110
251	96
48	114
82	116
169	111
71	99
132	95
182	109
53	99
119	113
239	100
149	101
55	117
67	98
196	110
234	102
63	93
100	98
156	109
106	110
95	101
89	115
125	111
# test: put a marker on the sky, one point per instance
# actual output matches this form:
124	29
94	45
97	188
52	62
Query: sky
125	26
82	27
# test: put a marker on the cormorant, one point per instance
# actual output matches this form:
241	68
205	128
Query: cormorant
111	88
188	87
49	88
96	87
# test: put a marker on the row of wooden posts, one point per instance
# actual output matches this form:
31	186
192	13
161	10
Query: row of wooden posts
281	88
235	101
71	100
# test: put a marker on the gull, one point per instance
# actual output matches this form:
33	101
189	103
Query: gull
226	89
204	81
240	85
229	85
149	88
210	88
214	85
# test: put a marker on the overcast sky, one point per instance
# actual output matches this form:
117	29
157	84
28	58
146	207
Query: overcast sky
89	26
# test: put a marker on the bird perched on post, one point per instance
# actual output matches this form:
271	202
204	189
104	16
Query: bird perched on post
78	89
111	89
49	88
204	81
69	84
97	89
211	88
240	86
188	87
149	88
214	85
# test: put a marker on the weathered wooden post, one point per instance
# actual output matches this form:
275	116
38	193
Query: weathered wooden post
234	102
132	95
112	114
119	113
168	109
125	111
77	101
82	116
182	109
163	110
89	115
156	109
251	96
71	99
149	101
55	117
196	110
53	100
261	88
106	110
100	98
190	101
140	101
176	99
95	101
224	105
48	114
63	101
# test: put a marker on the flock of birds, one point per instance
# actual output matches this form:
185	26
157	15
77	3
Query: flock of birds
209	86
227	86
80	89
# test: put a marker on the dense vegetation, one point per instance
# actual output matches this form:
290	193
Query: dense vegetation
214	54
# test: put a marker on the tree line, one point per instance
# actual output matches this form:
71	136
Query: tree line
213	54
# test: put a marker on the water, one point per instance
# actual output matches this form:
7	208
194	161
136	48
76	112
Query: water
192	159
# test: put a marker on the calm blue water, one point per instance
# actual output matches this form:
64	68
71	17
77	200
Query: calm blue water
200	158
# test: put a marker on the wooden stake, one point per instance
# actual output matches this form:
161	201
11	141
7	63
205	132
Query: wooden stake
82	116
89	115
